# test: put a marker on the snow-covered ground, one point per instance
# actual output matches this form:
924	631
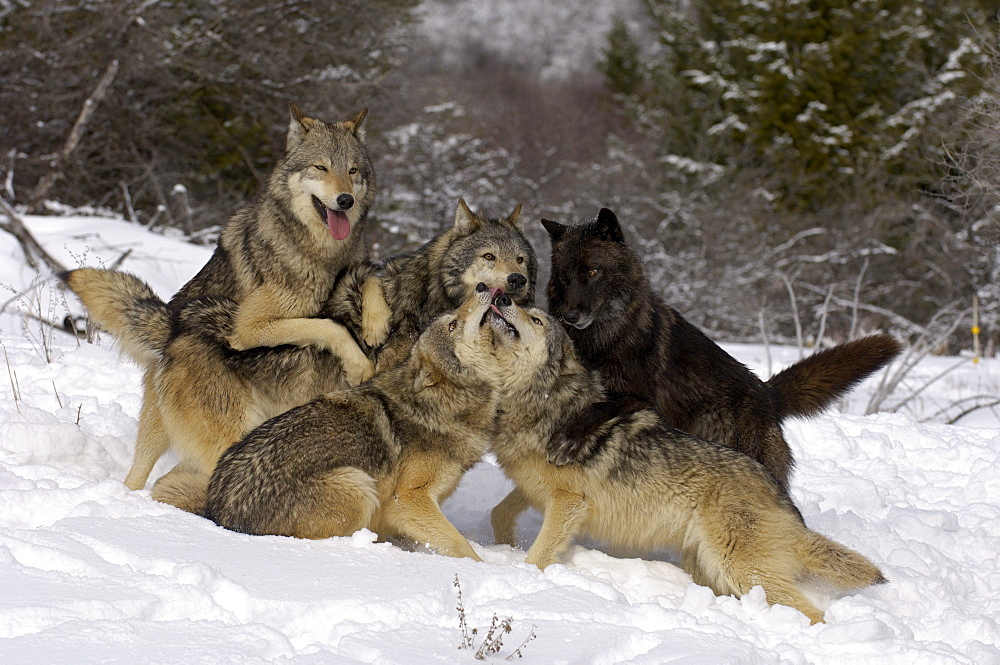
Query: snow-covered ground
92	572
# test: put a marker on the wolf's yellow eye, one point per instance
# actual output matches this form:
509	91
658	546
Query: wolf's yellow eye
453	325
354	169
592	272
319	167
489	256
537	321
520	259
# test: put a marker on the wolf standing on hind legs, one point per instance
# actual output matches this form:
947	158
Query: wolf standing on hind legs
650	355
216	357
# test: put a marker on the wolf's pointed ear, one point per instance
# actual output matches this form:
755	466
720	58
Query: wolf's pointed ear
608	228
555	229
427	375
356	125
297	128
514	218
465	221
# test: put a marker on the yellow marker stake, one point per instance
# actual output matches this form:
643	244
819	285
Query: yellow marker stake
975	329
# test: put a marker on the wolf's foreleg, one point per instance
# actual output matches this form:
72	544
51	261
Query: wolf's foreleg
375	313
413	510
504	516
564	515
321	333
357	367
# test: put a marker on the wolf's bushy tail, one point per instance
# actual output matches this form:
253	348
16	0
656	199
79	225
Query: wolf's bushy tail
126	307
812	384
837	565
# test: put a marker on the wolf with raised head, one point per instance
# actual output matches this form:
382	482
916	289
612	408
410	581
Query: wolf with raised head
383	455
649	355
216	356
648	486
419	286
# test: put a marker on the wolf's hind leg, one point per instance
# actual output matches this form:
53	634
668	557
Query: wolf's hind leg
337	504
564	515
504	516
152	440
756	550
375	312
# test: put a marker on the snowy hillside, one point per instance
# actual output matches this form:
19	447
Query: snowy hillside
556	39
92	572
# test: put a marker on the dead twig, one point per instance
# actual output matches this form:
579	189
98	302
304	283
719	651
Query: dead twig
75	134
29	245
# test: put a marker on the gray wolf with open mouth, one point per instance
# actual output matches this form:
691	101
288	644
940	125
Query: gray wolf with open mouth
647	485
215	357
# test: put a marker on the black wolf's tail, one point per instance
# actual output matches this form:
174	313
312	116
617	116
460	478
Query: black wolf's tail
125	306
812	384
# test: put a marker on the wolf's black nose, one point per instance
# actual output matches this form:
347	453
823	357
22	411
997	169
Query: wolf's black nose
345	201
571	316
481	286
517	281
503	300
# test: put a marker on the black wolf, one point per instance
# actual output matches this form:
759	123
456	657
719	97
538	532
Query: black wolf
650	355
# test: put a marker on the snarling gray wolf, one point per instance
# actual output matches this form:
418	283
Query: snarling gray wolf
216	357
382	455
648	355
647	485
419	286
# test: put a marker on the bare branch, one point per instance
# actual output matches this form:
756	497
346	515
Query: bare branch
15	226
89	106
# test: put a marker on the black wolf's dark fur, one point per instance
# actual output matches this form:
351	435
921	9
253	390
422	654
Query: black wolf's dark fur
648	354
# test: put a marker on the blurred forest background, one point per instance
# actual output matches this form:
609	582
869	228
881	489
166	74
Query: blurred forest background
802	170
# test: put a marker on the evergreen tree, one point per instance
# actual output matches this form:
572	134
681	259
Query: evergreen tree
827	95
620	64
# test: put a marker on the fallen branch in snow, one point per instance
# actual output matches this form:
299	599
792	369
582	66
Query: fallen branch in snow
15	226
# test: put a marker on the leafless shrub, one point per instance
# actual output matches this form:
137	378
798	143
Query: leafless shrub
492	642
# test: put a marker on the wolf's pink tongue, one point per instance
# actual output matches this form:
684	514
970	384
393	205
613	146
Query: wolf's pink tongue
495	309
338	224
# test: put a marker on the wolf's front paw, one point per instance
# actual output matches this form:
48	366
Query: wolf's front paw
236	343
541	559
358	369
374	330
